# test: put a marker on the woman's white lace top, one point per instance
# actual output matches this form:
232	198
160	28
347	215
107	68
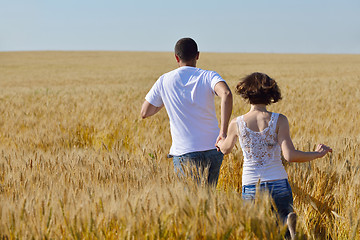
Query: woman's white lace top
262	153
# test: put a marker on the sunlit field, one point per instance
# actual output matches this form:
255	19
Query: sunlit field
78	162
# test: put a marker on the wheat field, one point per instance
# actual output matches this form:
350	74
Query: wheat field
77	161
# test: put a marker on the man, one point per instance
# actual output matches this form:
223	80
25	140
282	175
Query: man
188	96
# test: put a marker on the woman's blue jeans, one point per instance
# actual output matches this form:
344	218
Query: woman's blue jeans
208	162
279	190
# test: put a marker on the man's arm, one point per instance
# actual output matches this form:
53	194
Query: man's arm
222	90
148	109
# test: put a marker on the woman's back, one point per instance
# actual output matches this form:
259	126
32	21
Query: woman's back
257	121
262	153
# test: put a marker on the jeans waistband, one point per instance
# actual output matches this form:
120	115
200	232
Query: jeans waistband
196	152
270	183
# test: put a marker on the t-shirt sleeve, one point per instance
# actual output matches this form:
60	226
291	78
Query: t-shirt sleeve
215	79
154	95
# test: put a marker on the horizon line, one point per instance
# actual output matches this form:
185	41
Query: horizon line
160	51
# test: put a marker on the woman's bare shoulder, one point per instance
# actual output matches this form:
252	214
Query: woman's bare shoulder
283	120
234	120
233	126
282	117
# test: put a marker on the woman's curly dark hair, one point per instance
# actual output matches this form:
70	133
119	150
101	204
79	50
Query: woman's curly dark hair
258	88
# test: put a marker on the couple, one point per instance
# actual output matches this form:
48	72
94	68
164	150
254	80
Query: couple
188	96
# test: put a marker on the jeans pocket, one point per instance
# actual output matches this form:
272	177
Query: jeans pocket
280	188
248	192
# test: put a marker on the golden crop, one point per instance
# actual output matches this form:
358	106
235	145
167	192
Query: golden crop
76	160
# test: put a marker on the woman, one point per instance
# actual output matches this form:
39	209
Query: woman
262	136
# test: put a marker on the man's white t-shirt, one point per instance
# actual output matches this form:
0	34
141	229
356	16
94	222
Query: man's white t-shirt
188	96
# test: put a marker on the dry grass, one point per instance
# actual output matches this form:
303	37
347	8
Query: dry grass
77	162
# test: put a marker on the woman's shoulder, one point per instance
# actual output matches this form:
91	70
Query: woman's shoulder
282	119
281	116
281	122
275	114
234	126
235	120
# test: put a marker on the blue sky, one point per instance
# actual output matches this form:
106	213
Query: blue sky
269	26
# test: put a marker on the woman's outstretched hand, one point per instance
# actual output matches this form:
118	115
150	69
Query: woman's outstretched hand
322	149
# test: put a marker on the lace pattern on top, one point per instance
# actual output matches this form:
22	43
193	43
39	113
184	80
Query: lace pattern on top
259	148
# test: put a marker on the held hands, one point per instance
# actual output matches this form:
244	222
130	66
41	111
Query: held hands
219	139
322	150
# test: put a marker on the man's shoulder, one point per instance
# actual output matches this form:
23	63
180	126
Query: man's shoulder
167	75
203	73
211	72
170	73
213	75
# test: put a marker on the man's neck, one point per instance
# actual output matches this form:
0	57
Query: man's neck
187	64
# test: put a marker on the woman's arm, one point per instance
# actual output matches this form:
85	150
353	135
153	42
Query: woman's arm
288	149
227	145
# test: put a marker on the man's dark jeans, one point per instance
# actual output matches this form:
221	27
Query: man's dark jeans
206	162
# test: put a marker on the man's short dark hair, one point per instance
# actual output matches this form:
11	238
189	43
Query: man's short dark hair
259	88
186	49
